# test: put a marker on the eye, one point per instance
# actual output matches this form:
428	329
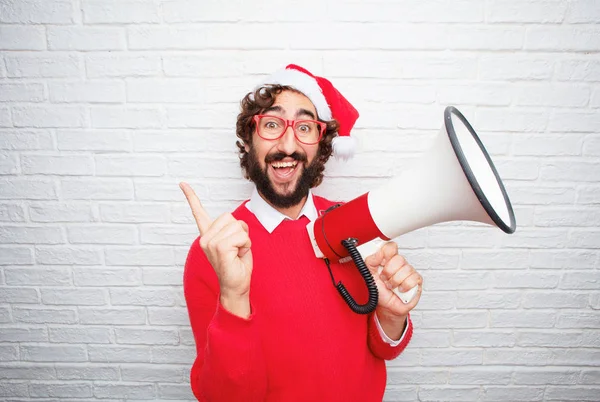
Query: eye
303	128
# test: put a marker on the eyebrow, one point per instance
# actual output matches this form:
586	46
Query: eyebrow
300	112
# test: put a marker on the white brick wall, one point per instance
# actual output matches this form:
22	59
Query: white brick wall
105	105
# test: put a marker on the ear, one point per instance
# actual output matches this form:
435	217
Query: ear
246	148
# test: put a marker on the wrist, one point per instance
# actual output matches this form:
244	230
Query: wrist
392	325
236	304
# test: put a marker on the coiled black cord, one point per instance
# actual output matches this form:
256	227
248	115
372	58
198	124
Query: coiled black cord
368	307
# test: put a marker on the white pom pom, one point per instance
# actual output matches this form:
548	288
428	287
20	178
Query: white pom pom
344	147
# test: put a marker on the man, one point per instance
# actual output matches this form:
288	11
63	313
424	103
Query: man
267	321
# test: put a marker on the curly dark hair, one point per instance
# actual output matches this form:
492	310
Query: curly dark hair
256	103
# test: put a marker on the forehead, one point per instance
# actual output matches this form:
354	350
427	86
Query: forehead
290	101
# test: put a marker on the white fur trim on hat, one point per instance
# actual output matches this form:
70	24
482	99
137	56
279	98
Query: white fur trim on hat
344	147
303	83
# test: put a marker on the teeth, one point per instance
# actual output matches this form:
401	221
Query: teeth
284	164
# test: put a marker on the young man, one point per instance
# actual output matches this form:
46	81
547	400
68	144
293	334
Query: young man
267	321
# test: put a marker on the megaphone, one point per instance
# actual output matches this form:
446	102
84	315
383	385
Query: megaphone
455	180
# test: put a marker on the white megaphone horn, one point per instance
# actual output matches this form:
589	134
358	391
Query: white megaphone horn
454	181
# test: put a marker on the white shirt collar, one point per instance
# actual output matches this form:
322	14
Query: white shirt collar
270	218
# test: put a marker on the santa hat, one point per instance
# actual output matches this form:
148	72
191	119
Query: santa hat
328	101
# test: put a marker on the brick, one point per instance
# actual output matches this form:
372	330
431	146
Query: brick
446	280
49	116
515	67
70	255
168	235
112	165
37	189
169	37
162	276
190	11
58	165
595	301
170	355
457	319
87	92
449	393
5	316
541	195
590	377
75	297
142	297
530	280
168	316
102	234
508	259
44	65
431	338
560	95
438	301
134	213
44	315
25	139
574	122
86	38
433	12
518	121
550	339
79	335
5	117
484	338
218	116
9	163
103	276
150	373
110	316
562	38
588	195
400	394
184	141
85	372
570	217
120	12
548	145
579	394
31	11
22	37
536	238
485	95
412	375
577	320
186	337
31	234
488	300
580	280
206	167
119	354
574	357
218	64
12	213
148	336
97	189
554	299
16	256
125	117
25	371
14	389
512	393
24	334
19	295
93	140
21	92
124	391
9	353
591	146
61	212
584	239
71	390
522	319
444	237
487	375
511	11
122	64
174	391
453	357
139	256
578	70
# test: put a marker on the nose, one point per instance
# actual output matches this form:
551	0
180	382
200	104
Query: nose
287	142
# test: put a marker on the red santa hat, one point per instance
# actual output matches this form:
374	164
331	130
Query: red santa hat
328	101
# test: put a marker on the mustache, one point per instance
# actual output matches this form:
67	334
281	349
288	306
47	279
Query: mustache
278	156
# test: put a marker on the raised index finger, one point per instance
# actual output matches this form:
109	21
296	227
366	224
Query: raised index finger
202	219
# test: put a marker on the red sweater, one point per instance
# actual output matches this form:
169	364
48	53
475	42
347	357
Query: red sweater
301	342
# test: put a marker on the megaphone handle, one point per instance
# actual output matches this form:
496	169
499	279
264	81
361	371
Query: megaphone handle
406	297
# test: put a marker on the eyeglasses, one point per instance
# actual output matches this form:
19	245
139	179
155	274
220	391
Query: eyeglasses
308	132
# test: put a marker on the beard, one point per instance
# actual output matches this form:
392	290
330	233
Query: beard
265	187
